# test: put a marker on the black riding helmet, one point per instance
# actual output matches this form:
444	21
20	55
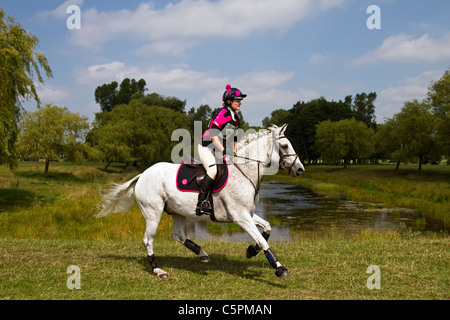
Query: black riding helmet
232	94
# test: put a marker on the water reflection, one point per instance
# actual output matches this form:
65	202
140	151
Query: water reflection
291	209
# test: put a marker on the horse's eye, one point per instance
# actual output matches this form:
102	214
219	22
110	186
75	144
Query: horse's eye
284	146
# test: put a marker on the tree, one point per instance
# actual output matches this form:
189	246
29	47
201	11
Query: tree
129	89
112	140
363	108
20	64
388	141
346	139
203	114
106	96
137	132
277	117
155	99
416	127
109	95
439	99
244	125
53	133
304	116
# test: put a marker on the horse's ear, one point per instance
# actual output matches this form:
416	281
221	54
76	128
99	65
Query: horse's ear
283	129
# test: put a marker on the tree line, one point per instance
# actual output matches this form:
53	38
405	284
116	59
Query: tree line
305	117
139	129
346	131
135	127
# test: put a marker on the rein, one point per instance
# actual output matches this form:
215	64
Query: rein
250	159
258	183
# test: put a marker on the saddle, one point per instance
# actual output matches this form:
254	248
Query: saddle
190	177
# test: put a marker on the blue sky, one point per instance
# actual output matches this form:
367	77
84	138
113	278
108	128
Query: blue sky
278	52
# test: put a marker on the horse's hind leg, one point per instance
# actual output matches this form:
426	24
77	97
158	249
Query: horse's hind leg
179	223
253	250
152	218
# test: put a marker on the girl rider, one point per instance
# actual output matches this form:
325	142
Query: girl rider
222	128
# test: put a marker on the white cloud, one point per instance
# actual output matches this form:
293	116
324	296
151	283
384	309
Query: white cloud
261	102
406	48
391	100
101	73
265	79
178	79
50	94
265	89
190	22
317	59
193	83
61	11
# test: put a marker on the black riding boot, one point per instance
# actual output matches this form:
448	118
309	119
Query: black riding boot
203	206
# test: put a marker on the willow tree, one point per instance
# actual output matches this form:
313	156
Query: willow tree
416	128
137	132
20	67
439	99
53	133
346	139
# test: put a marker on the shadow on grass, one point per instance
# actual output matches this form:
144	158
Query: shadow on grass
247	269
57	176
11	198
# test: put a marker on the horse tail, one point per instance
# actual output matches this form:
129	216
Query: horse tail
117	199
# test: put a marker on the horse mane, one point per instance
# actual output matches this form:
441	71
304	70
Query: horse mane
245	142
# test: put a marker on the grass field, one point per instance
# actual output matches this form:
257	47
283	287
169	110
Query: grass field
323	268
46	225
62	206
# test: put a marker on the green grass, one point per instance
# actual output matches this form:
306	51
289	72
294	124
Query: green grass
46	225
63	205
427	193
322	268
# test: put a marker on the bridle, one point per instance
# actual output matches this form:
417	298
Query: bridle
258	183
287	155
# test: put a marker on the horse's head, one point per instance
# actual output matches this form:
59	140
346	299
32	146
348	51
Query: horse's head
282	148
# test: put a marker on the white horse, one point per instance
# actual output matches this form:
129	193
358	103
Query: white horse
155	191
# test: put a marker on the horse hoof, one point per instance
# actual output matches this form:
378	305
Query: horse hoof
282	272
251	251
204	259
160	273
285	274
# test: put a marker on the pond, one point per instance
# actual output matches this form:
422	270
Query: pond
292	209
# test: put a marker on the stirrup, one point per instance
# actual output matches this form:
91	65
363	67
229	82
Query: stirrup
203	211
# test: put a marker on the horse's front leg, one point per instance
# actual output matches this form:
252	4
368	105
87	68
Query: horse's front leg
253	250
247	223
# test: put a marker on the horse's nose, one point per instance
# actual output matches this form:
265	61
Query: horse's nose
300	170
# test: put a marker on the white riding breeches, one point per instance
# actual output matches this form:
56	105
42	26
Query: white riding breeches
208	161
